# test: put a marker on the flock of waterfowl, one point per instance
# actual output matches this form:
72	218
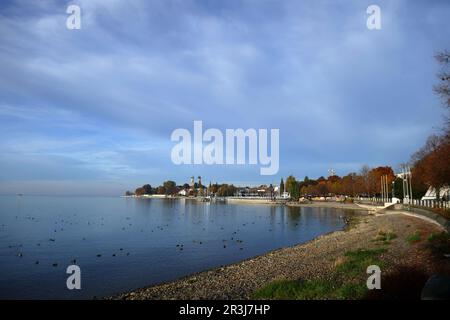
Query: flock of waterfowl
58	228
63	224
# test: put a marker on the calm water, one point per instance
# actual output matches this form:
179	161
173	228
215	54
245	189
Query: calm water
137	240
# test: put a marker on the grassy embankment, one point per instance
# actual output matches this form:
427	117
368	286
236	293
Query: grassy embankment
344	283
348	281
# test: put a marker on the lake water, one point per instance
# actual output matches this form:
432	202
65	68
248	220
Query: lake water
122	244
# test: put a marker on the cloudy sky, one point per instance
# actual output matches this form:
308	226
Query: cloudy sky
92	110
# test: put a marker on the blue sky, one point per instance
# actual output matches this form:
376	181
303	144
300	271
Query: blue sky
92	110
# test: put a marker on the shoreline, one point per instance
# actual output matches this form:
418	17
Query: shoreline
330	204
314	259
231	200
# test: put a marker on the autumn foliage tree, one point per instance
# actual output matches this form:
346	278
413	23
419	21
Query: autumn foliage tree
431	164
366	183
226	190
375	175
145	189
139	191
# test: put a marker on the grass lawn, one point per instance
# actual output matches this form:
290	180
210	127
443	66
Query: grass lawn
347	282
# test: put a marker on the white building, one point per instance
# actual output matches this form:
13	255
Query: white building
285	195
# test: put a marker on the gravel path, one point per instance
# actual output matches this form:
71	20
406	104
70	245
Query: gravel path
315	259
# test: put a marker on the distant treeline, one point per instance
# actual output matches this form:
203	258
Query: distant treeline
171	188
366	183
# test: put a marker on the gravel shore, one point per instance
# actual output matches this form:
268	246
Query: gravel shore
315	259
324	204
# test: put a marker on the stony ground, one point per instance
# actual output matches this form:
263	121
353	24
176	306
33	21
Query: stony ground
326	204
315	259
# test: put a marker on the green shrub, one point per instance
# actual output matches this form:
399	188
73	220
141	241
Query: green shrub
413	238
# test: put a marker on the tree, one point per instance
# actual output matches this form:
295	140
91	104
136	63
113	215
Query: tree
321	189
334	185
347	184
161	190
147	189
292	187
431	165
269	191
213	188
201	192
398	188
295	192
226	190
170	187
375	179
290	182
139	191
443	87
439	175
281	186
364	181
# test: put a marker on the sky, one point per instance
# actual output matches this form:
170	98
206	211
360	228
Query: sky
91	111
